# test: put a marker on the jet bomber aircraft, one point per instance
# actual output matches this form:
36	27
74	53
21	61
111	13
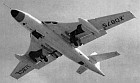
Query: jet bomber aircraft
50	40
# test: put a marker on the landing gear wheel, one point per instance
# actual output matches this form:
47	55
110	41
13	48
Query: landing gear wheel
42	56
54	55
31	55
75	43
45	59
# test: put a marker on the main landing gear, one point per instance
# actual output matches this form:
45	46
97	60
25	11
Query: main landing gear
73	39
36	54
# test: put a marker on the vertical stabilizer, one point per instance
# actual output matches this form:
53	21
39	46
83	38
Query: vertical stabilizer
97	65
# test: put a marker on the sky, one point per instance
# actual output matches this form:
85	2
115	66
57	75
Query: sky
124	38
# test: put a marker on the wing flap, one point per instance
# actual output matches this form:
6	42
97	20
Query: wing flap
90	37
43	63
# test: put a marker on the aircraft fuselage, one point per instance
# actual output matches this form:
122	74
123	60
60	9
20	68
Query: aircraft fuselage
52	39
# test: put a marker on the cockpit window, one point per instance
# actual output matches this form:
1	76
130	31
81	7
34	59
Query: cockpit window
54	22
47	22
50	22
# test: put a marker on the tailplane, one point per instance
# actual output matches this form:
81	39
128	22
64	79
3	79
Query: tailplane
81	69
95	59
104	56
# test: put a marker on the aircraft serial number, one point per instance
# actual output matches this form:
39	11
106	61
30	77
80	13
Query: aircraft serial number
23	69
111	22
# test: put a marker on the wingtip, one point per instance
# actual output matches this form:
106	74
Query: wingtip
117	53
102	74
133	16
13	76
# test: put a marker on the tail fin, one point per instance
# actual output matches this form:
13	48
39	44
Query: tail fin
97	65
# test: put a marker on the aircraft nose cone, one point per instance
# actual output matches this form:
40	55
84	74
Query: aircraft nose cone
14	13
19	16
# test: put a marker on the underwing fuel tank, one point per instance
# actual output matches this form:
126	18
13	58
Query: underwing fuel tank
89	26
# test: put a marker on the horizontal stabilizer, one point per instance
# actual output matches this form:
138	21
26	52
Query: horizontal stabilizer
104	56
81	69
95	60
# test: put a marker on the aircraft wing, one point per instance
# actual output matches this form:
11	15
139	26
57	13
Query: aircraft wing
27	64
107	22
21	69
85	35
25	67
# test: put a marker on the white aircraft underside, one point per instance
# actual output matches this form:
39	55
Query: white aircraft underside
50	40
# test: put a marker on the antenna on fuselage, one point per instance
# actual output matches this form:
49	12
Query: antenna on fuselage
7	6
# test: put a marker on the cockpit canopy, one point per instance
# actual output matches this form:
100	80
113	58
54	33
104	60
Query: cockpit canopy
50	22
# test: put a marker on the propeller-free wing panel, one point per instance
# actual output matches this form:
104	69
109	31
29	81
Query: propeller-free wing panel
107	22
36	57
21	69
78	33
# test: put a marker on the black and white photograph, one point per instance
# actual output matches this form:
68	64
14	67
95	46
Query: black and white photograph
70	41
